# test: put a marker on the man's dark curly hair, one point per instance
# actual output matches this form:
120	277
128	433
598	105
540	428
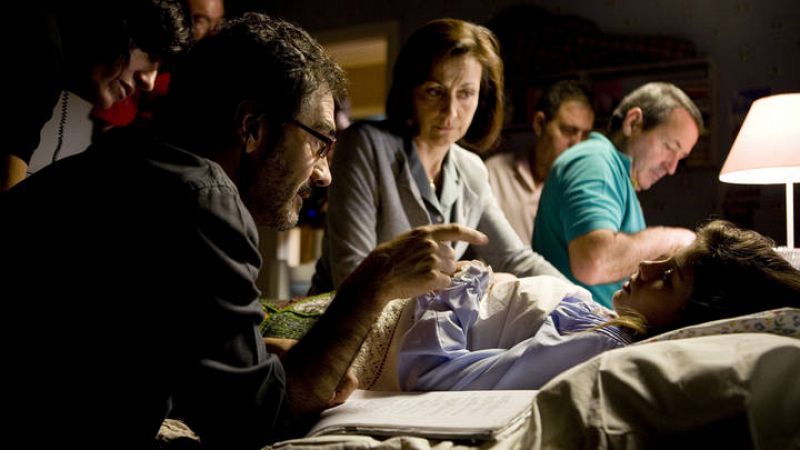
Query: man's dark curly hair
268	62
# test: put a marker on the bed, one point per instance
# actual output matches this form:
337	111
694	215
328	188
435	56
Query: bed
733	383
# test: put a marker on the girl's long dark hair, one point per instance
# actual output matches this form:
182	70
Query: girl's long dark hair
736	272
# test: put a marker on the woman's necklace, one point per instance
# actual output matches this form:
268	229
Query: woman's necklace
429	157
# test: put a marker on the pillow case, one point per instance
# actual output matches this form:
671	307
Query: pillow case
782	321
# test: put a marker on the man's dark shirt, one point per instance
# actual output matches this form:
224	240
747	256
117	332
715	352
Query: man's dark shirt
128	278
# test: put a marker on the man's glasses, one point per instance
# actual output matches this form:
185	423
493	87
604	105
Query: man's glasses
327	141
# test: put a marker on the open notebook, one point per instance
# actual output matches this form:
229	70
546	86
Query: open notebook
472	415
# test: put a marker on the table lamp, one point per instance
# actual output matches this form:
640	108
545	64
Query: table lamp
767	151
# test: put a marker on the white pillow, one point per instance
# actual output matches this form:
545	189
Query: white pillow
783	321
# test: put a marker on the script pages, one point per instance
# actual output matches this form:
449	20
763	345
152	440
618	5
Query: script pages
473	415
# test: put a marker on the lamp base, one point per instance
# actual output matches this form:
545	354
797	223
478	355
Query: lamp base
790	254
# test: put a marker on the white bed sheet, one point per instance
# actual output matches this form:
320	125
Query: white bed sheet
687	380
634	397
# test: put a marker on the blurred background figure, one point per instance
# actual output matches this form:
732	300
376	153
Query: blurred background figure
205	17
84	53
563	117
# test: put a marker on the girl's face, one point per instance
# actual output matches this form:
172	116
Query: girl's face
660	289
445	104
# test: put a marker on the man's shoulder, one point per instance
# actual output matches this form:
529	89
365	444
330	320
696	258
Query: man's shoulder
507	169
170	163
501	162
506	158
592	155
597	147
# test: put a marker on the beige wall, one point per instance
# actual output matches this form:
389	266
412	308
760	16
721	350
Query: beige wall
367	90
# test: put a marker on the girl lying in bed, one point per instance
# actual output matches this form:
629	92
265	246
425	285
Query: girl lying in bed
459	341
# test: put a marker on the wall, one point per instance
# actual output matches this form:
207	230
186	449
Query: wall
755	45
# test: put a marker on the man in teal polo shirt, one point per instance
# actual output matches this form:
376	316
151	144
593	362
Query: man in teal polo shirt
590	224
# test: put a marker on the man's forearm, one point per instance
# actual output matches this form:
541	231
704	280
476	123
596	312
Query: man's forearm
317	364
605	257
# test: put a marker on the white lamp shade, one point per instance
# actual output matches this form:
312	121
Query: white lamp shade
767	148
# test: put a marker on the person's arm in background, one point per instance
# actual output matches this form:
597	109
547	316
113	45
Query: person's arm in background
411	264
606	256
